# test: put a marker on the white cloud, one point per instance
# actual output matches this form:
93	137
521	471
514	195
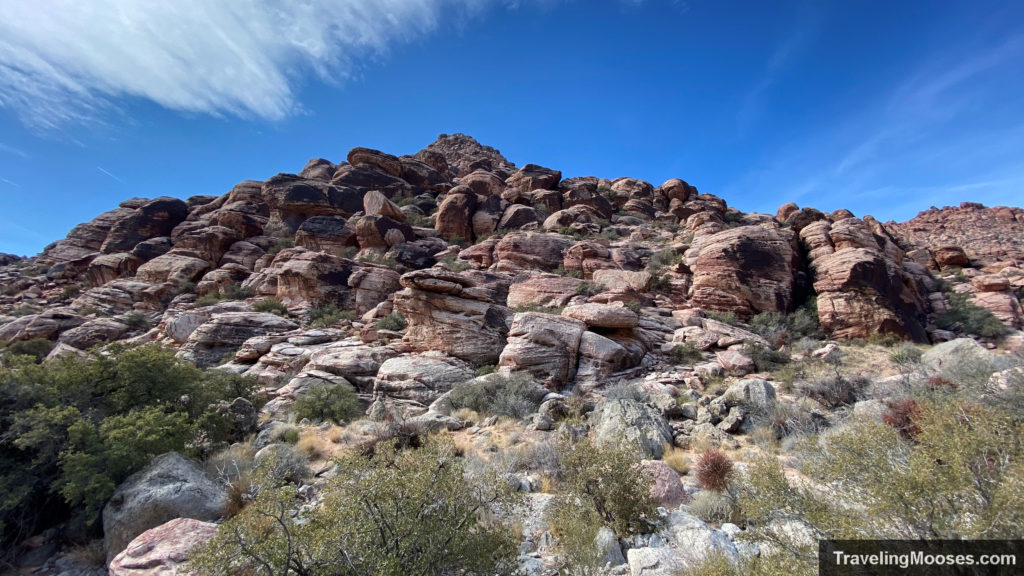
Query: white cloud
66	61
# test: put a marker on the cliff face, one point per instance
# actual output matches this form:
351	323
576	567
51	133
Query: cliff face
986	235
456	236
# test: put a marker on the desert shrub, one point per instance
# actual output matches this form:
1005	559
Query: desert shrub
886	340
714	470
589	288
135	320
207	300
959	477
395	513
453	263
765	359
663	259
515	396
73	429
272	305
771	563
325	315
37	348
393	322
418	220
713	506
604	486
186	288
685	353
789	419
556	310
834	389
661	283
779	329
457	241
485	370
70	292
905	355
727	317
24	310
563	271
966	317
281	244
335	403
236	292
903	416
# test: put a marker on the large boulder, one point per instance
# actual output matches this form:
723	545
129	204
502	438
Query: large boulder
170	487
533	177
325	234
93	332
224	333
862	286
543	289
174	267
530	250
298	276
747	270
632	425
162	550
449	312
455	214
154	218
544	345
956	355
602	315
356	363
420	378
293	199
384	162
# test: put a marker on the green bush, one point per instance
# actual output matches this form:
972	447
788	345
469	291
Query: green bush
958	476
905	354
663	259
765	359
563	271
70	292
485	370
272	305
135	320
207	300
779	329
393	322
685	353
603	487
326	315
336	403
236	292
728	317
37	348
714	507
589	289
452	262
966	317
409	512
281	244
514	396
73	429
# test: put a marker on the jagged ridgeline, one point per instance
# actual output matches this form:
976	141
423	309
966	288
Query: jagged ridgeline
452	292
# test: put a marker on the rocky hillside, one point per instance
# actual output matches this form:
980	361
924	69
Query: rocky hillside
410	278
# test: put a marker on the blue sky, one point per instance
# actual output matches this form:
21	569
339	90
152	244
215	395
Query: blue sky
885	108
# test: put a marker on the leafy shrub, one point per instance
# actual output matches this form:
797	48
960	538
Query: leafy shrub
959	477
135	320
236	292
485	370
281	244
661	283
714	470
663	259
73	429
418	220
589	289
336	403
37	348
515	396
207	300
603	486
966	317
70	292
272	305
765	359
727	317
395	513
779	329
452	262
186	288
393	322
326	315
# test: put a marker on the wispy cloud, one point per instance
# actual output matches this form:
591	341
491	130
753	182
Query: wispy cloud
108	173
8	149
10	182
929	139
67	61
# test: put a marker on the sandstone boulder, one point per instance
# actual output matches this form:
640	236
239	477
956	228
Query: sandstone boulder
292	200
385	162
530	251
602	315
162	550
156	217
544	345
224	333
420	378
532	177
170	487
173	267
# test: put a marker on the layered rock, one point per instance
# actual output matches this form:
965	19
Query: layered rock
747	270
984	235
862	286
162	550
219	338
448	312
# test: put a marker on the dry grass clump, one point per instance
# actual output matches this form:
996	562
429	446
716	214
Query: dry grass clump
312	445
676	459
